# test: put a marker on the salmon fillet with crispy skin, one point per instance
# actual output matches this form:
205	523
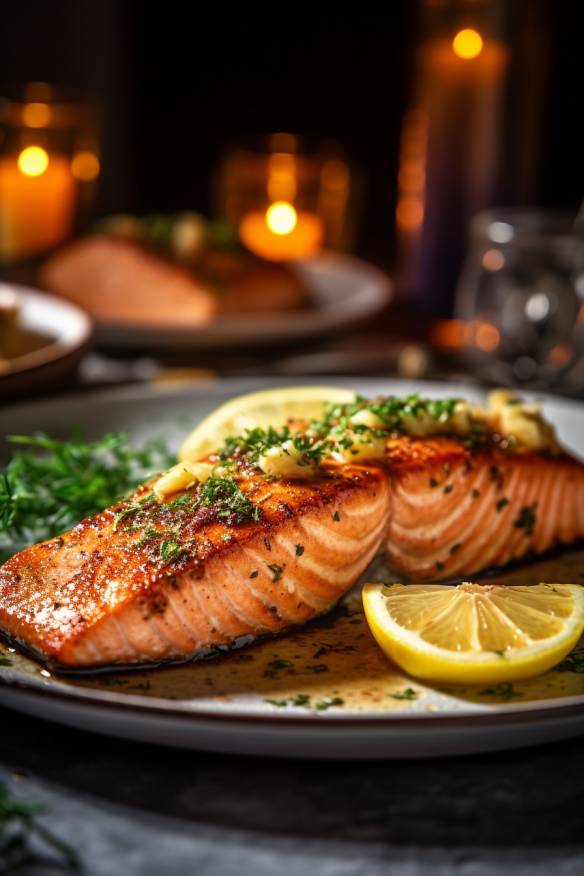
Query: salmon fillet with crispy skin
106	593
145	582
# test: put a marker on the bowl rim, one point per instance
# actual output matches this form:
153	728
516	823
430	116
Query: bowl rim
72	328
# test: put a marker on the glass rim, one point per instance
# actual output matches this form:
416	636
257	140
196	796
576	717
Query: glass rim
511	225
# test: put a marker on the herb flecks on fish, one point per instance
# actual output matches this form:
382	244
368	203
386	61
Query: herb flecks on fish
161	525
526	519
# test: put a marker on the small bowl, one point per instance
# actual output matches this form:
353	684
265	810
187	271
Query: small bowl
68	331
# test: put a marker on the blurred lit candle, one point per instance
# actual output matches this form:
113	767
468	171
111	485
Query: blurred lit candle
448	157
281	233
38	194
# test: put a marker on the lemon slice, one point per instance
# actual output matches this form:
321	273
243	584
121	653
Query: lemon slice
475	633
269	407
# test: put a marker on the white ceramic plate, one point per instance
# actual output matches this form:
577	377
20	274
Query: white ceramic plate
344	290
69	330
234	704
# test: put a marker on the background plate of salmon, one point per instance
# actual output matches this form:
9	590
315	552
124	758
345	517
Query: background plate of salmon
325	690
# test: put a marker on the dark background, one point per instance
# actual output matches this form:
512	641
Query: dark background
177	82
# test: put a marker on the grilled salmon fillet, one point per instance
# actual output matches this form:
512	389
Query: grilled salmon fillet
148	581
109	593
455	511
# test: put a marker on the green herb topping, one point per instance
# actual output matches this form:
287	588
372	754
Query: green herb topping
276	570
407	694
51	485
20	835
526	519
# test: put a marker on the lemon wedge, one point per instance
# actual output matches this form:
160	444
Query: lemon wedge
475	633
268	407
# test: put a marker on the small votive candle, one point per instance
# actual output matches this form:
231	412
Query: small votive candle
282	233
37	202
48	164
288	198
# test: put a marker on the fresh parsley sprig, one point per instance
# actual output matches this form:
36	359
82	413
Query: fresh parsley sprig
50	485
18	825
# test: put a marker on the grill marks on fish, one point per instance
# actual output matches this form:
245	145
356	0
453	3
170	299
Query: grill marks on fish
100	595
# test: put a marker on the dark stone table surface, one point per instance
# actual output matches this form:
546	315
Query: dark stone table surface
134	809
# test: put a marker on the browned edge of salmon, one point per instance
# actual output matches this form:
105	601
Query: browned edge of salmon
96	596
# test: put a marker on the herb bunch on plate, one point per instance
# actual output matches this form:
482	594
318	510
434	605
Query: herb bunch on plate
49	485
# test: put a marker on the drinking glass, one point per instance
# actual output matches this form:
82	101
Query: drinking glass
521	298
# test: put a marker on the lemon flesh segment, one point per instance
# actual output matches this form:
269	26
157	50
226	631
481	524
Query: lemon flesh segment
268	407
475	633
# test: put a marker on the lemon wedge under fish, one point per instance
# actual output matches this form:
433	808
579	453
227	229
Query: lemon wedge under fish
268	407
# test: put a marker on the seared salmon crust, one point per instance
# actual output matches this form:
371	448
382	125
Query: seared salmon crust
100	594
115	590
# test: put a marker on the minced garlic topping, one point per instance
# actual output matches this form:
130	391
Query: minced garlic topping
358	431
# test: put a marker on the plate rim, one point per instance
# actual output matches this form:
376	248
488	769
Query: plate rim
156	708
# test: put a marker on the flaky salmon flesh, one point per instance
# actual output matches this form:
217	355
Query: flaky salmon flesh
118	589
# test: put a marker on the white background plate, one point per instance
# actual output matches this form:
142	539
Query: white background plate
441	722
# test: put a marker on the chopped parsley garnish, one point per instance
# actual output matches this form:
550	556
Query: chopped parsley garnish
276	666
336	431
327	702
504	690
49	485
433	483
229	503
297	700
407	694
304	701
254	573
299	550
336	516
268	543
526	519
501	504
276	570
475	493
456	547
169	550
448	488
574	662
496	475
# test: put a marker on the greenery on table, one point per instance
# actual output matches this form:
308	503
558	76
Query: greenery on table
22	838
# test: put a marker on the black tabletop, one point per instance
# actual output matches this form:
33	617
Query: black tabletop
134	809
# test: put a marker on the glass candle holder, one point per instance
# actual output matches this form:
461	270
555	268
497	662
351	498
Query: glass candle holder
49	165
521	298
287	199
